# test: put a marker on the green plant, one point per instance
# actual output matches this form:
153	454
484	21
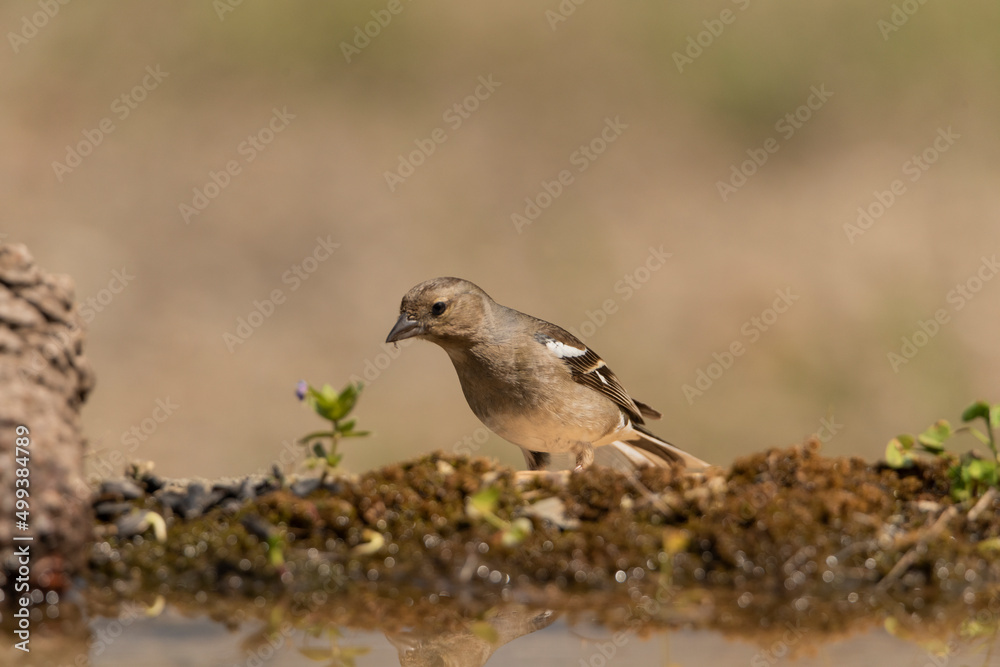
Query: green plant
483	505
335	407
276	550
970	474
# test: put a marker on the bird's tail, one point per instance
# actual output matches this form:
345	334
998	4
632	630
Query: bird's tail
645	449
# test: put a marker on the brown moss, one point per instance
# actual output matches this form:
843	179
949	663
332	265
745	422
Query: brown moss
782	535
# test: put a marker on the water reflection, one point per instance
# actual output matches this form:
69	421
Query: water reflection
471	644
582	631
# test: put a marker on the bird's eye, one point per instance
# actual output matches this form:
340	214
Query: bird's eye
438	308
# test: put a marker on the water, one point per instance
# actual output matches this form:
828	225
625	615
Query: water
227	632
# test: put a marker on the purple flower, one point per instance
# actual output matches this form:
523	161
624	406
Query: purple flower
301	388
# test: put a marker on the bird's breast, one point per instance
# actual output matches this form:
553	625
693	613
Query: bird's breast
532	409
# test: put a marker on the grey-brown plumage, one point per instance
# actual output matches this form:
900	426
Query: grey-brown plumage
530	381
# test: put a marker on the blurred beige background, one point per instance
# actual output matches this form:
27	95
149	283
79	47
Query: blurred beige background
684	95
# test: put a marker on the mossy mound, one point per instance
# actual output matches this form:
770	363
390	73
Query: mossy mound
782	537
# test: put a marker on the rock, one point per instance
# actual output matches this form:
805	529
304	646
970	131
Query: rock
17	312
110	510
48	301
17	266
44	379
187	499
258	526
304	487
120	489
139	521
10	342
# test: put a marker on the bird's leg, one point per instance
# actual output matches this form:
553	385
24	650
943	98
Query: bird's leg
536	460
584	456
526	477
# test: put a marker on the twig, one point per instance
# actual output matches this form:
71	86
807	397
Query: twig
910	556
650	497
983	503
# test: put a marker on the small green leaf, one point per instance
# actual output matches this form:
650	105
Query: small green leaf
976	410
959	477
523	525
896	455
518	531
329	412
978	470
906	441
325	402
319	450
314	435
275	550
483	502
990	473
345	402
933	438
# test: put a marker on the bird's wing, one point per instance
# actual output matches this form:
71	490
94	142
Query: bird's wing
589	369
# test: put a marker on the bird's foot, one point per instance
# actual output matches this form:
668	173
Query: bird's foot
584	456
525	477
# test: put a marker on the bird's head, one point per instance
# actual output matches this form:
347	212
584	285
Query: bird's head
441	310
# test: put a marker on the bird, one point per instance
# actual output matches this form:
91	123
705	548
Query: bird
532	382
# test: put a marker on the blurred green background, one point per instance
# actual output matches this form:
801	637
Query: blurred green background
894	78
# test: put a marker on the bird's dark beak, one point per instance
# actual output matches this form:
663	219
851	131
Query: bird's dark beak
404	328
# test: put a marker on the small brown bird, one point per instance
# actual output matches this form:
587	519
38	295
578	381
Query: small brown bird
531	382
